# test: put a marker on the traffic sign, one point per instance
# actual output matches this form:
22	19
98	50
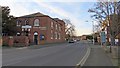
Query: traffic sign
103	37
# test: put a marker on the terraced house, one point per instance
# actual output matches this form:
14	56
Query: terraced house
40	28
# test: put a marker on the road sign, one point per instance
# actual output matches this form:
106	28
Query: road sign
103	37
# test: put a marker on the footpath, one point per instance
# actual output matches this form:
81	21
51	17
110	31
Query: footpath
36	46
47	45
98	57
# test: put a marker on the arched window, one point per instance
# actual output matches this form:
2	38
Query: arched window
26	22
36	22
35	33
18	33
18	23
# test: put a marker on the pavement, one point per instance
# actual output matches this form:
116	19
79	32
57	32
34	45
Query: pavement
34	46
98	57
64	54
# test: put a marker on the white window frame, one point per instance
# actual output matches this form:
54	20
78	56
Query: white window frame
26	22
18	23
18	34
59	27
52	23
55	35
56	26
51	34
37	23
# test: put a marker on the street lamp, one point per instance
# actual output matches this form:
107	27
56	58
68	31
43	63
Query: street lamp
93	41
93	33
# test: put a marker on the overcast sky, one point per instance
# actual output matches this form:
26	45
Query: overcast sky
74	10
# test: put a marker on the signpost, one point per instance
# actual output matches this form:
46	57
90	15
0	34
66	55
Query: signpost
103	37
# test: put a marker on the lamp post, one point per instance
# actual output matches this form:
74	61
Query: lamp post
93	33
93	41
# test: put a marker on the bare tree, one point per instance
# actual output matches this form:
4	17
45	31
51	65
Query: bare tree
107	11
70	28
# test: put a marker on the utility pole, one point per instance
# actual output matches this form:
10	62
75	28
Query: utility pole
93	41
93	33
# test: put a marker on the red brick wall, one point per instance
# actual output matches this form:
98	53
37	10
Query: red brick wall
16	40
62	32
0	41
5	39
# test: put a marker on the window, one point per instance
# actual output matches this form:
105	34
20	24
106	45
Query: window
26	33
56	35
59	36
51	34
22	29
36	22
59	27
18	33
56	26
18	23
52	24
26	22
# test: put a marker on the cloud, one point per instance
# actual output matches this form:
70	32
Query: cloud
60	12
76	0
18	8
66	15
68	0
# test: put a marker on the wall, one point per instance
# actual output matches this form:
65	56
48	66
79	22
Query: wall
16	40
62	31
0	41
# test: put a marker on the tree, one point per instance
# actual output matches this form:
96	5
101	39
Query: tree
8	21
107	11
0	21
89	37
70	28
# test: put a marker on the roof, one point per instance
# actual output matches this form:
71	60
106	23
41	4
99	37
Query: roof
57	19
38	14
34	15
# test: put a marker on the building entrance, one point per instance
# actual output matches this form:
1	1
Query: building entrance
36	38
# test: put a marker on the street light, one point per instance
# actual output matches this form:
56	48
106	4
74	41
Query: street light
93	41
93	33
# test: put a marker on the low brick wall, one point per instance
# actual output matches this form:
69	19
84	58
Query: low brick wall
16	40
0	41
5	40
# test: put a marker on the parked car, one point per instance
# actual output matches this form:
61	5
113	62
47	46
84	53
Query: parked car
71	41
78	39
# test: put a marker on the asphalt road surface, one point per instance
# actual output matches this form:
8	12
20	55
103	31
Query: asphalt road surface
66	54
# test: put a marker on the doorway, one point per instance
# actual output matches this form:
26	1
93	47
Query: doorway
36	38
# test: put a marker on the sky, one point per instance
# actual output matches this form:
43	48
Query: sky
74	10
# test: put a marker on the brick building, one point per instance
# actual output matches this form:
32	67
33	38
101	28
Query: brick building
41	28
84	37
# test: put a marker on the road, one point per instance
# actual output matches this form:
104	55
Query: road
67	54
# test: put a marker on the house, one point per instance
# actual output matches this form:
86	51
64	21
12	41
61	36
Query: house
40	28
84	37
